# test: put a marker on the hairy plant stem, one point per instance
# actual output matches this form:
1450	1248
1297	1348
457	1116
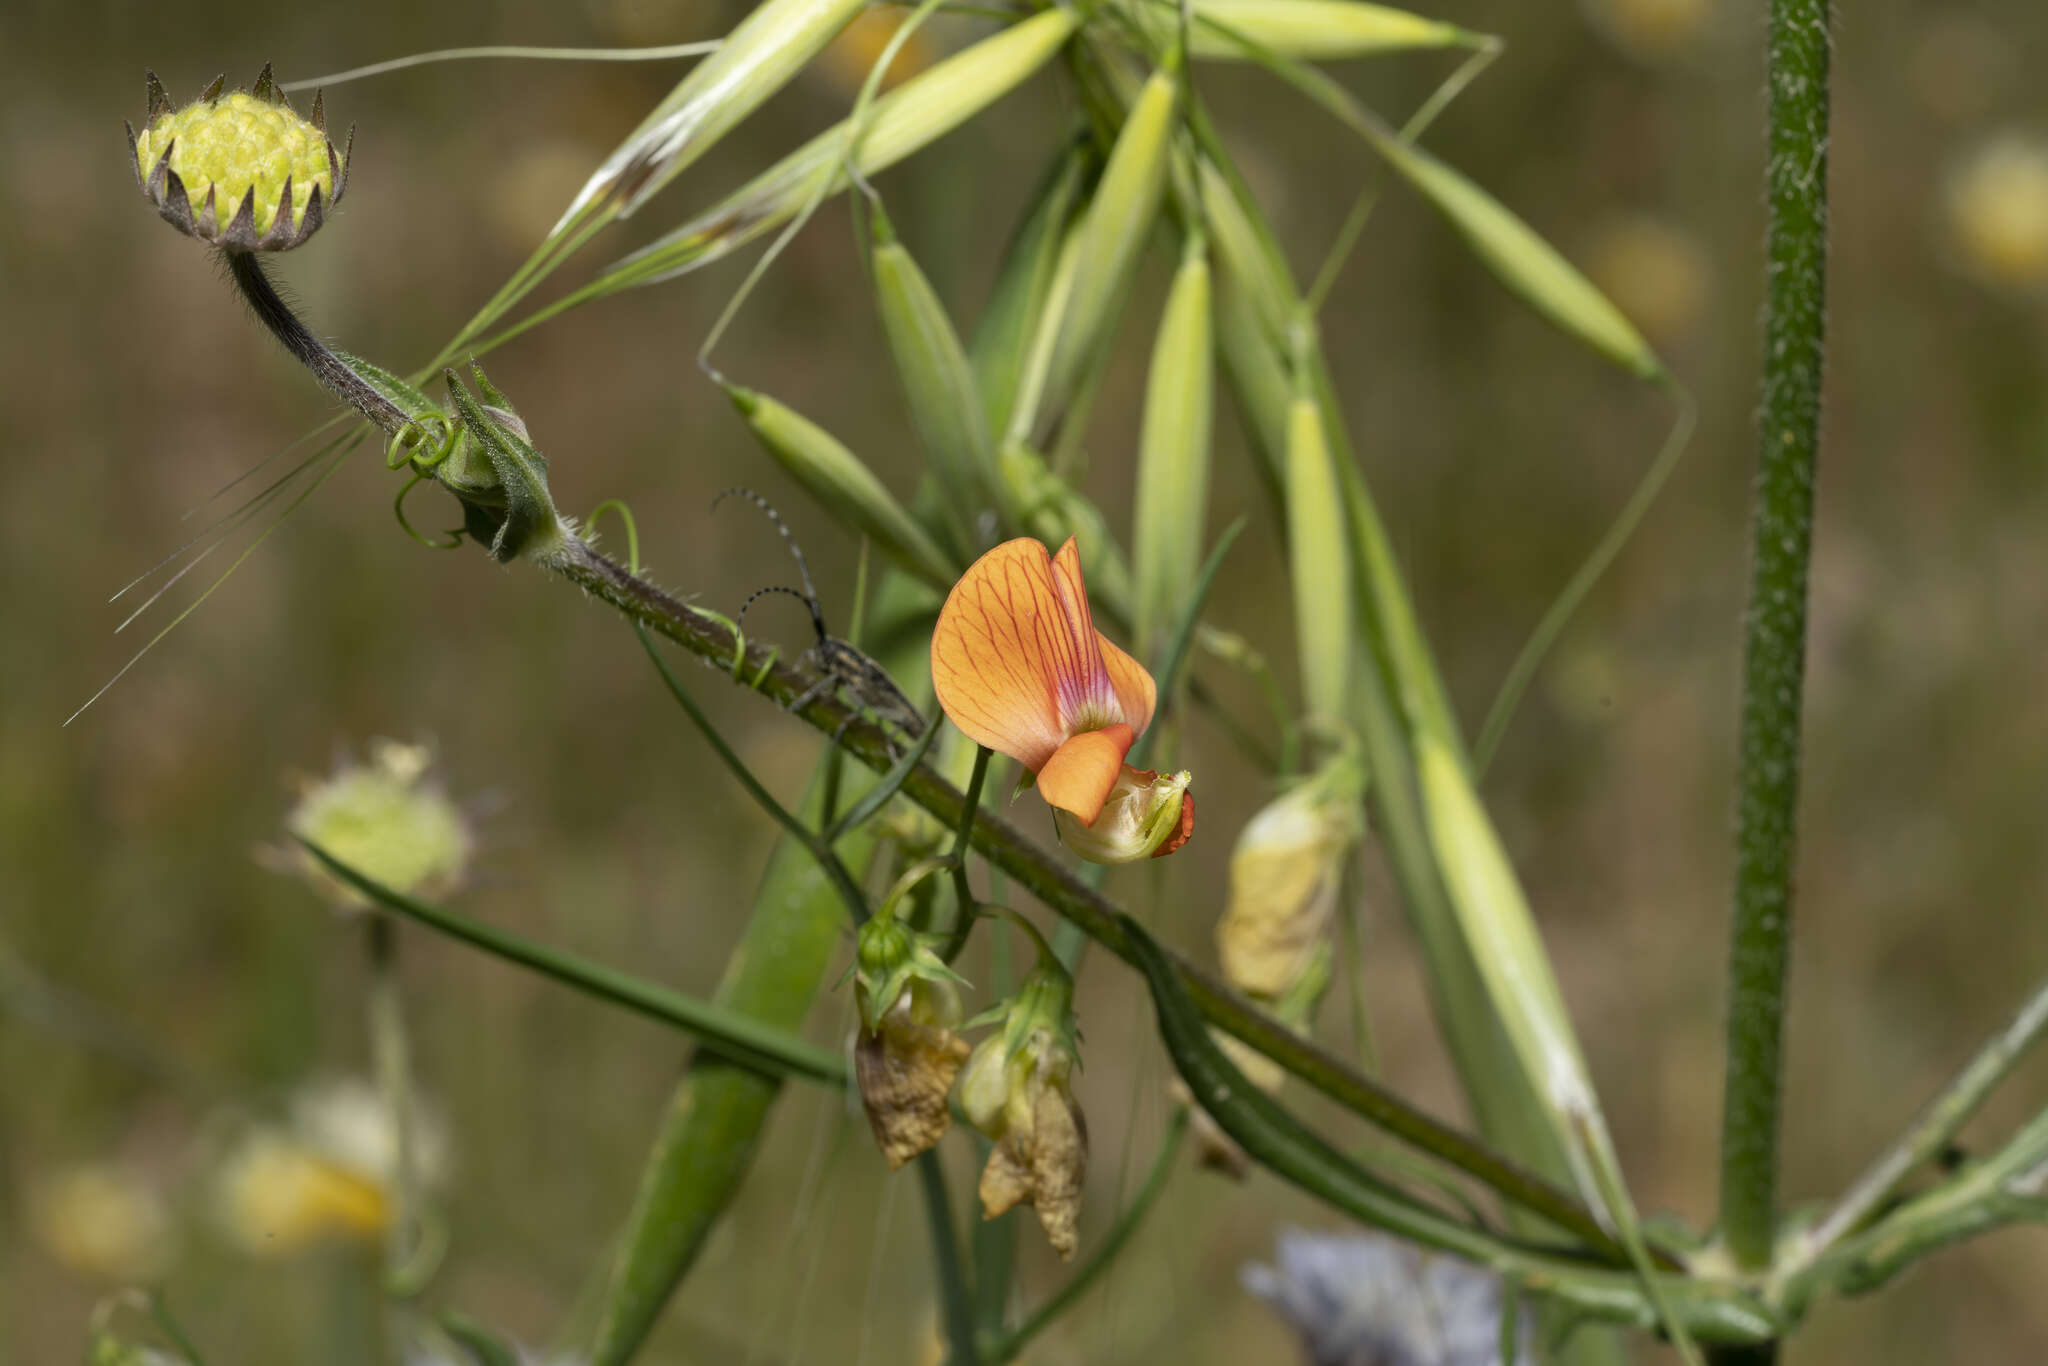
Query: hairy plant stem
331	370
1775	646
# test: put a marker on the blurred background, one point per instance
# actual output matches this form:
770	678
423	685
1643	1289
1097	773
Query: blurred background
159	980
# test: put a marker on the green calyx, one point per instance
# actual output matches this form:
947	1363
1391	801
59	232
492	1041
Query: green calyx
891	960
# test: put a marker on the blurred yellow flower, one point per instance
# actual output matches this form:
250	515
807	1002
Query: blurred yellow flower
1653	270
387	820
328	1174
1651	30
103	1222
1998	212
277	1197
859	46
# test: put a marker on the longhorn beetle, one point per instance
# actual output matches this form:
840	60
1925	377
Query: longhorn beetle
841	666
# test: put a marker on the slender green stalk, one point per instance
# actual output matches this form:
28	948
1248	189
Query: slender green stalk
730	1034
963	895
1775	652
391	1062
956	1301
820	849
1932	1129
1089	1272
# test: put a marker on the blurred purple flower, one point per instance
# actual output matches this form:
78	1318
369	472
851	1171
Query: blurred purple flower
1367	1300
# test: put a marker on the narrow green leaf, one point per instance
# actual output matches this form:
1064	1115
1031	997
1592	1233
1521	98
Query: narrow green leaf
726	1032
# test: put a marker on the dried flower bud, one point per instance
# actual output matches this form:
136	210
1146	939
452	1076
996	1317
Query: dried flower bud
1284	874
1024	1101
385	819
1017	1090
238	170
1146	816
906	1054
905	1069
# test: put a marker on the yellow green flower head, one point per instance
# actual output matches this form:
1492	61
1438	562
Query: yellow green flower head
387	821
240	169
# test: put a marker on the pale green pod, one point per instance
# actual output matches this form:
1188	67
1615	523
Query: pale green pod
938	384
1258	378
1037	356
844	485
1245	255
757	59
906	120
1501	932
1118	225
1522	260
1319	557
1317	30
1173	455
1003	335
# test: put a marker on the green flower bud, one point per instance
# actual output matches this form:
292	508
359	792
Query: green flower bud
238	170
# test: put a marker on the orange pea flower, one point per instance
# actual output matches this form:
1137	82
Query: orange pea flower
1019	667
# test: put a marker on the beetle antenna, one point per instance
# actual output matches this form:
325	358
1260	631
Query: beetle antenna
810	593
777	588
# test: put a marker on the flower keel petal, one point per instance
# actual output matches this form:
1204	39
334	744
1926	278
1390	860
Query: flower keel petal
1081	772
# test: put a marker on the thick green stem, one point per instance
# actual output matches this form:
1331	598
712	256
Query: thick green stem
1775	655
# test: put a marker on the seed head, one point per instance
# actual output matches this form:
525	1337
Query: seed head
240	169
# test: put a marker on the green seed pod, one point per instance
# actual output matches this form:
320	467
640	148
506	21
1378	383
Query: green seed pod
1173	454
1246	255
938	384
712	1126
905	121
846	487
1258	377
1522	260
1317	30
1003	338
1501	932
757	59
1119	223
1036	358
1320	559
263	177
